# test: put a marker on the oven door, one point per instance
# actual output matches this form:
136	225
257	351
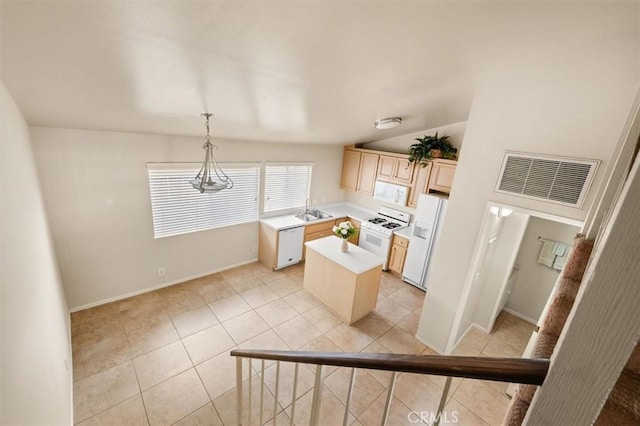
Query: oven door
376	243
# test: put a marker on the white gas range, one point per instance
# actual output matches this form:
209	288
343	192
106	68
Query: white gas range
376	232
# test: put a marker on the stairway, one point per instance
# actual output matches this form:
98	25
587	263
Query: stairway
553	323
622	408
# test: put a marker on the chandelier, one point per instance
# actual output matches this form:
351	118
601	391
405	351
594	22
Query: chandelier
204	180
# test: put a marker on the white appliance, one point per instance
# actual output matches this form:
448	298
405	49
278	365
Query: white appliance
424	235
290	246
376	232
391	193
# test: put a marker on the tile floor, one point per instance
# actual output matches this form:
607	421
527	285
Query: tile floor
163	357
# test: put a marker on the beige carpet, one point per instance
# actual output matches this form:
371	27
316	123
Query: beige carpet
553	323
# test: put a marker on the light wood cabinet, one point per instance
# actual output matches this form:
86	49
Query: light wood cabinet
350	169
395	169
316	231
420	184
367	172
268	246
398	254
359	170
442	175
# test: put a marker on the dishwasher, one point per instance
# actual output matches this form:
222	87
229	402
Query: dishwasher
290	246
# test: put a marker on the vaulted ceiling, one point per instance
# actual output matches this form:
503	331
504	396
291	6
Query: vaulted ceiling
291	71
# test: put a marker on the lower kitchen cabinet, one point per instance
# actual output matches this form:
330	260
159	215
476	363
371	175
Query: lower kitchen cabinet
316	231
279	248
398	254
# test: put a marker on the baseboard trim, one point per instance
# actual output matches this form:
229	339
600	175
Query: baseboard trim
519	315
432	347
157	287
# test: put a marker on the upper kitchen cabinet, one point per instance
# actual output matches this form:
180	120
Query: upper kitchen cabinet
396	169
442	174
359	170
350	169
420	183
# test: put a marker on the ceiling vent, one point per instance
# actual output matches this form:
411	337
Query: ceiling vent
555	180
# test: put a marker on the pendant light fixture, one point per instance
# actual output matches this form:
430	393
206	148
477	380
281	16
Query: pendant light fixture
204	181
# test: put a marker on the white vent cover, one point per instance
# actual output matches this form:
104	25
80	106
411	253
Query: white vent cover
553	179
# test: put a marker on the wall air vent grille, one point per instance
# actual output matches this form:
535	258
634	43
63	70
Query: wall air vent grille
552	179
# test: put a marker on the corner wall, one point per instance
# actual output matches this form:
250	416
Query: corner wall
96	191
35	341
575	106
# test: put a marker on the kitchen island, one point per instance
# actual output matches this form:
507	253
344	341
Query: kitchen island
346	282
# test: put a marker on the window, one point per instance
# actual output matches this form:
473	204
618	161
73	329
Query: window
177	208
286	186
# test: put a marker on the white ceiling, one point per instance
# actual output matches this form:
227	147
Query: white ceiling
305	71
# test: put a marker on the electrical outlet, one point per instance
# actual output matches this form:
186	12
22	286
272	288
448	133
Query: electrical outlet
161	271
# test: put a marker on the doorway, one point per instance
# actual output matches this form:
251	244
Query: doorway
507	273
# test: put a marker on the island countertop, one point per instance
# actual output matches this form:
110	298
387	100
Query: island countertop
356	260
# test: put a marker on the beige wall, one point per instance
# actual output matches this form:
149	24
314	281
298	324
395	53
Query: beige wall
574	106
97	196
533	281
35	340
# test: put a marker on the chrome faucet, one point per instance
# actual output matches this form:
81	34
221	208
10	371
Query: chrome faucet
307	204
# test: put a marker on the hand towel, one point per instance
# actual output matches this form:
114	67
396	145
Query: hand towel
559	261
547	256
560	249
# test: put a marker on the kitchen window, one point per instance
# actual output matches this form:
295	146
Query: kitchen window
286	186
177	208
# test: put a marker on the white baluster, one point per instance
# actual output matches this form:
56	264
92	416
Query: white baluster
317	397
387	404
239	388
443	400
261	393
349	393
275	401
295	388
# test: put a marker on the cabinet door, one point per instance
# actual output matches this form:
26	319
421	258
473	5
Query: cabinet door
403	171
442	175
355	238
386	168
367	173
396	260
350	168
420	184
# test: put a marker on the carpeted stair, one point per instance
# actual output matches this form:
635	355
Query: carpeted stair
553	323
623	405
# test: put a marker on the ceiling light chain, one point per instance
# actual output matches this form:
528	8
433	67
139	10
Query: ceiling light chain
203	181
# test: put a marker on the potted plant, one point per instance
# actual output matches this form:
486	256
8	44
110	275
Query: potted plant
429	147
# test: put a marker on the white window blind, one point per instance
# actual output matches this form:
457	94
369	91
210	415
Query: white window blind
178	208
286	186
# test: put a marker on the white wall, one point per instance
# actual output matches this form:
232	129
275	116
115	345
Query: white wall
401	144
97	195
499	268
35	339
500	239
573	106
533	281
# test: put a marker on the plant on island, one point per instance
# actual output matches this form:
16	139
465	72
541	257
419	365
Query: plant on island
345	230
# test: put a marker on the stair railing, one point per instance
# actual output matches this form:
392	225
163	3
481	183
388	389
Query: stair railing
509	370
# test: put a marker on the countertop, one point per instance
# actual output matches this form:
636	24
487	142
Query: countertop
335	210
356	259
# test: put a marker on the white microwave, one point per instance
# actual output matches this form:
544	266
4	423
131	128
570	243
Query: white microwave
391	193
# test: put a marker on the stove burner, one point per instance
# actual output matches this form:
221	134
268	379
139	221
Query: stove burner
377	220
391	225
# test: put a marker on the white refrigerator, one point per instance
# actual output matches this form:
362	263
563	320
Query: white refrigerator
424	235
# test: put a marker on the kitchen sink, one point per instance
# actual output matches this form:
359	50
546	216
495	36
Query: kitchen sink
311	215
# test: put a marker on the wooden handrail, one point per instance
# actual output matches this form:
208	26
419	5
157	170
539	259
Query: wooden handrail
510	370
